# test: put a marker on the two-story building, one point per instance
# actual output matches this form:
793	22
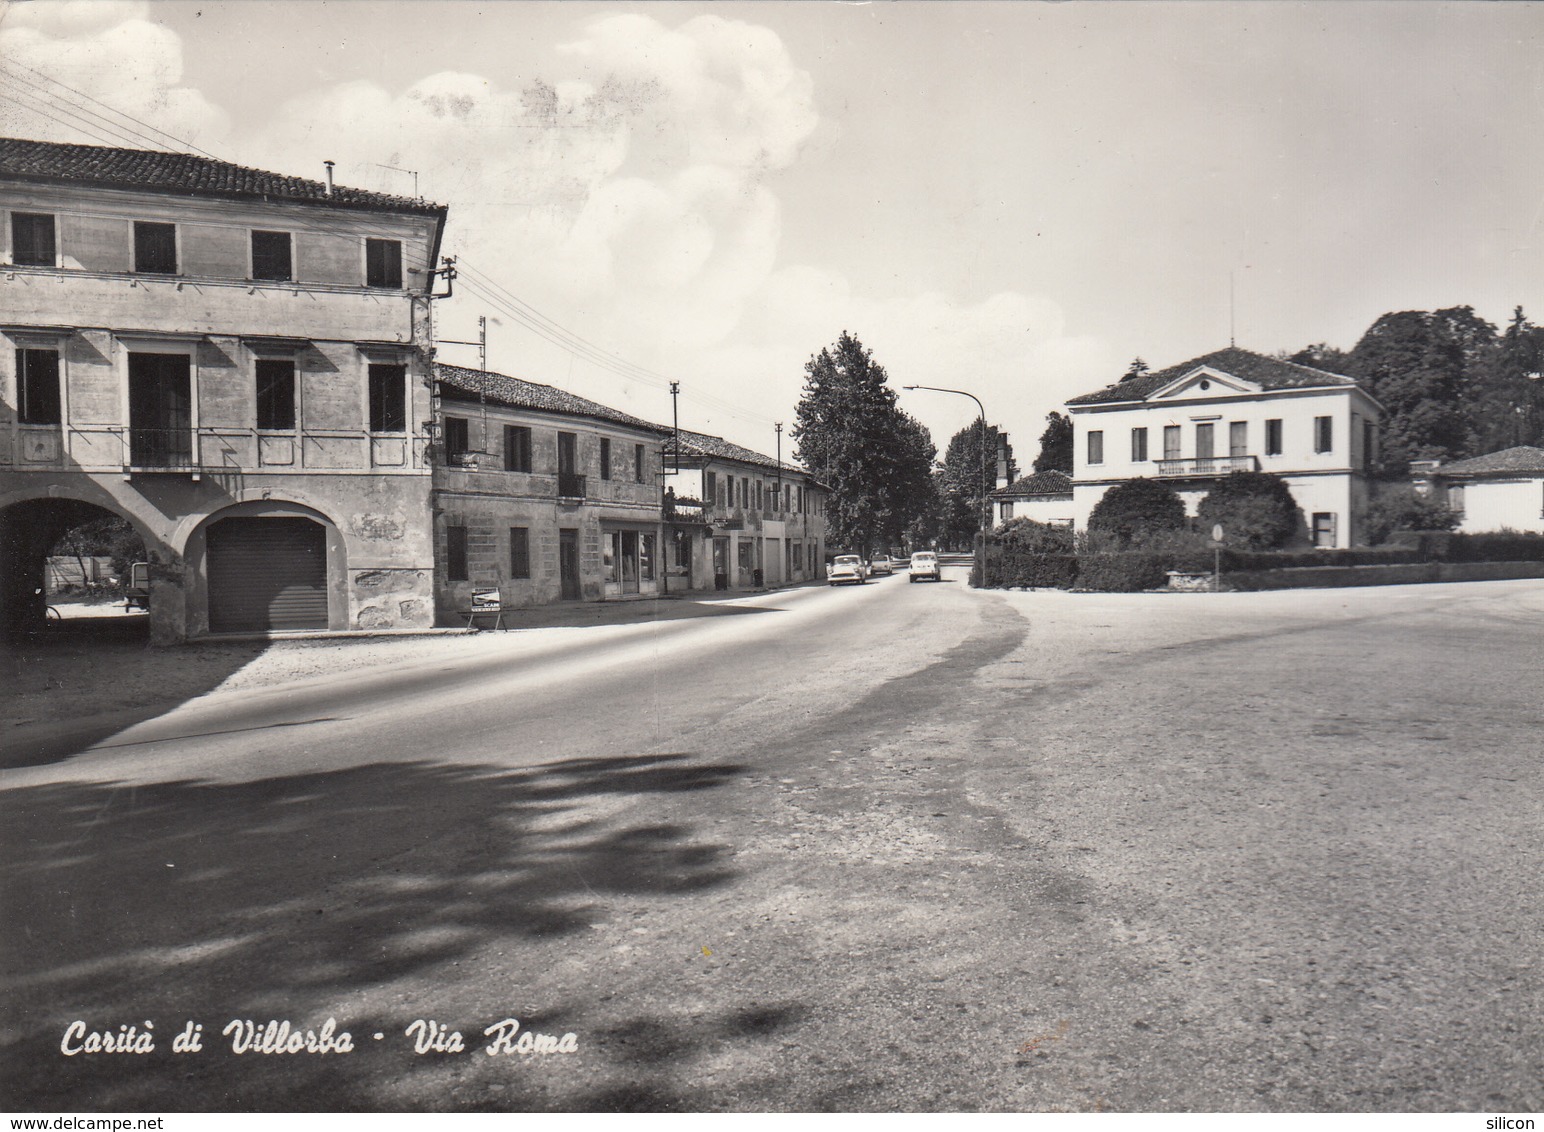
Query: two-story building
1229	411
236	362
739	519
1043	497
542	495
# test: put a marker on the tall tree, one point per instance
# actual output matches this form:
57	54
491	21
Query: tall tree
1055	445
1423	367
1509	397
970	467
874	458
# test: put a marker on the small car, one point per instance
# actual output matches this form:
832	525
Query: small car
848	568
924	564
880	565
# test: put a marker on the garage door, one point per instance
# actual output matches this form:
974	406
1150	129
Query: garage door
267	574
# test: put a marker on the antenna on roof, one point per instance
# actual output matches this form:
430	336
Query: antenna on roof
1232	311
398	169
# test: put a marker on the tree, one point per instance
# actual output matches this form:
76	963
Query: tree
1136	369
1055	445
970	466
1509	394
1256	509
1397	507
1424	368
1320	356
875	458
1134	510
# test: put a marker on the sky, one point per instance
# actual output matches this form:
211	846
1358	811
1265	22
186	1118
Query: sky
1014	199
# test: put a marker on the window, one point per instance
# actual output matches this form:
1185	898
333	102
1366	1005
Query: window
1324	529
1273	438
610	553
646	557
1171	442
1096	448
457	445
517	448
275	393
1204	442
37	386
1369	443
32	239
1005	511
1455	497
745	492
155	248
455	554
1138	449
519	552
1323	434
638	462
1238	438
383	263
388	398
761	500
710	488
271	256
605	458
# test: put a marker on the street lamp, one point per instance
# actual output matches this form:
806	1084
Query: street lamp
986	506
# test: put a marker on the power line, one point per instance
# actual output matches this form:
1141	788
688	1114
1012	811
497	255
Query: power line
77	123
602	360
115	110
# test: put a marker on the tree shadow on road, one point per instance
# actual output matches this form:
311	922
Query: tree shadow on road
305	896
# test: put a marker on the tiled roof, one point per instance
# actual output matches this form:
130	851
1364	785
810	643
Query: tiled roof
463	384
1523	458
182	173
701	444
1268	373
1039	483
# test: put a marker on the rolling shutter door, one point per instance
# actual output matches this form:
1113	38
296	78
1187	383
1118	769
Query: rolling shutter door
267	574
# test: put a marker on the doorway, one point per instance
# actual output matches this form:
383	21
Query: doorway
160	411
568	563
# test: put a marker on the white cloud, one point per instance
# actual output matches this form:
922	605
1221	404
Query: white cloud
626	191
107	51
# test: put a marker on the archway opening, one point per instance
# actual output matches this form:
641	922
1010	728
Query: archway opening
67	573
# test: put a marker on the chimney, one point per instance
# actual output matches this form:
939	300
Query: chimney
329	165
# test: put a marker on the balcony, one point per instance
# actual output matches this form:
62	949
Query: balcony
161	449
1201	466
682	509
570	485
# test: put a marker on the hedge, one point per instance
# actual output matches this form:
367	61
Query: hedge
1006	565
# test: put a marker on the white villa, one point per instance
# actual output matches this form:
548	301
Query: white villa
1228	411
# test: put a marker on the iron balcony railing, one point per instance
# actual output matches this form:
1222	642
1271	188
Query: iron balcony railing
570	485
1208	466
170	448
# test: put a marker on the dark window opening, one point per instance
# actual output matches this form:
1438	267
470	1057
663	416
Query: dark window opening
160	411
1096	447
155	248
275	393
605	459
457	444
383	263
1273	438
517	448
271	256
638	462
37	387
388	398
1323	434
455	554
32	240
1138	445
519	552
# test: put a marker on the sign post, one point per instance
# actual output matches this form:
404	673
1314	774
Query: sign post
1217	545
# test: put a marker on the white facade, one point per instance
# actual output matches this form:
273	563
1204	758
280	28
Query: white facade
1500	491
1200	422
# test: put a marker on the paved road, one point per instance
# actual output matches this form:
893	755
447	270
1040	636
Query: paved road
889	847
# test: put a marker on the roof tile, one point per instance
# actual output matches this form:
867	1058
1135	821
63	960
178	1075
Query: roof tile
464	384
182	173
1269	373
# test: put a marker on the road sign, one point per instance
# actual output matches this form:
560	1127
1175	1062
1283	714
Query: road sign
1216	532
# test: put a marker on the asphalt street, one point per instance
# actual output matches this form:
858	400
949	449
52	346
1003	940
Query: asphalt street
891	847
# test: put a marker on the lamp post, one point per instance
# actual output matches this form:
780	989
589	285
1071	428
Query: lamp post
986	506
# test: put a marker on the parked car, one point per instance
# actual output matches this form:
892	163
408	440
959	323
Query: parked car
924	564
848	568
880	565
